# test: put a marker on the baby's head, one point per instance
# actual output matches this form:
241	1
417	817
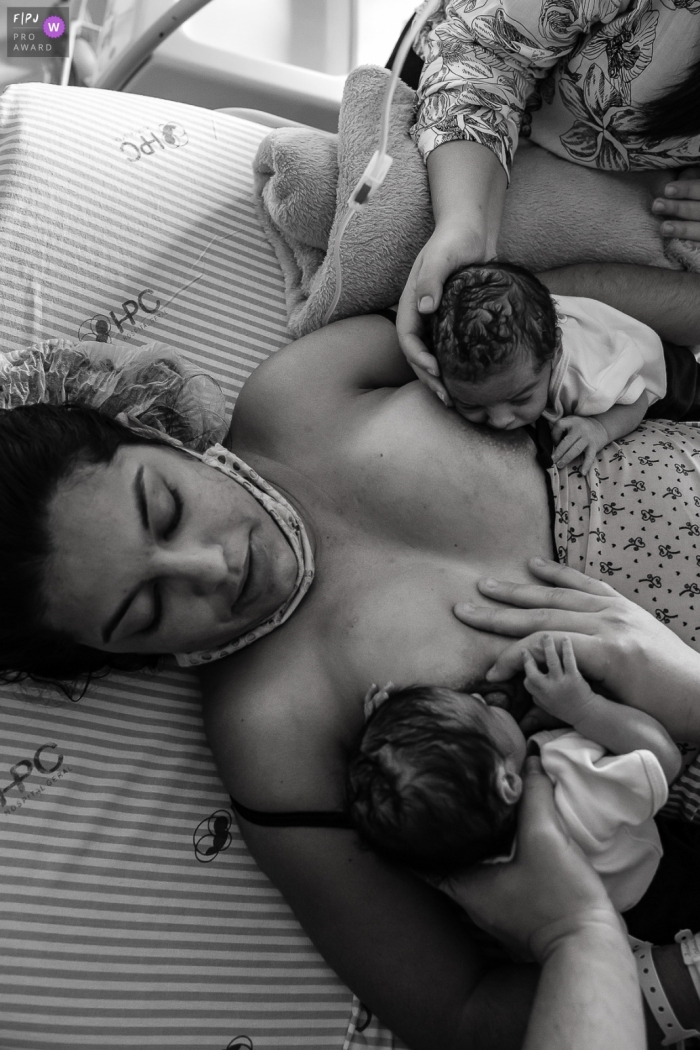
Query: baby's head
435	779
495	335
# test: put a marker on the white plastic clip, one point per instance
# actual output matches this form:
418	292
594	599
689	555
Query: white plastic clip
371	179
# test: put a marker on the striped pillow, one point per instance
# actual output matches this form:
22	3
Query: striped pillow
132	915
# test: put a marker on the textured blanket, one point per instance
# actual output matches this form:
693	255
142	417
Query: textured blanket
556	212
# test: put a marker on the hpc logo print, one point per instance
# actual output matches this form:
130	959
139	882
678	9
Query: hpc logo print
212	836
105	326
147	142
47	762
37	32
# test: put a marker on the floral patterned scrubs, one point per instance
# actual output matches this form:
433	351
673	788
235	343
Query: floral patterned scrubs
572	74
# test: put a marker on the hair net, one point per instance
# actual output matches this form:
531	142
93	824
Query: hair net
148	385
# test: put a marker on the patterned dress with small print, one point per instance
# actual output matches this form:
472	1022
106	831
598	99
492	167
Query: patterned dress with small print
634	522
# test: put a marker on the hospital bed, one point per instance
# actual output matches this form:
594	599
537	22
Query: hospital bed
131	914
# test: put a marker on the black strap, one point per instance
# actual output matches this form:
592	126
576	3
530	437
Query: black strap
299	818
413	66
541	434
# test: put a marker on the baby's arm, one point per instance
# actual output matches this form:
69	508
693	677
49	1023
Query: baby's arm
587	435
563	692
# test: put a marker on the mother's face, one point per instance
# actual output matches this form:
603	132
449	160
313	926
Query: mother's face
158	553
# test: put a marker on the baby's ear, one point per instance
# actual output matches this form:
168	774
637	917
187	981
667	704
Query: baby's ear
509	785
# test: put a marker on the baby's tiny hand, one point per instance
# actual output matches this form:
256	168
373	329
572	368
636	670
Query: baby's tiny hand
578	436
375	697
561	689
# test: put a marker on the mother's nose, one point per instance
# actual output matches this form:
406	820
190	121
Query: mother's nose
204	568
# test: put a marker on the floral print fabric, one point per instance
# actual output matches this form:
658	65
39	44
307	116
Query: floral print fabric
634	522
573	74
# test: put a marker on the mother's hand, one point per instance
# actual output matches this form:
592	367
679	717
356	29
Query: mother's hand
617	643
680	206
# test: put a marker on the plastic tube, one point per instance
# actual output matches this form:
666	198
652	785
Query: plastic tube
376	171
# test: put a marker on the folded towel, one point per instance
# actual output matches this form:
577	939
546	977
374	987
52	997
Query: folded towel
556	212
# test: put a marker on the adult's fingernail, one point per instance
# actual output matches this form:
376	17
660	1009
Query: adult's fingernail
440	395
489	583
537	560
465	607
668	229
658	206
426	304
671	190
433	370
492	675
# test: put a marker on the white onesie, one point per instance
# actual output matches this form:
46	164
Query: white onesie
606	358
607	804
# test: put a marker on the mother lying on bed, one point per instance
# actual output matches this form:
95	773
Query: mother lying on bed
380	512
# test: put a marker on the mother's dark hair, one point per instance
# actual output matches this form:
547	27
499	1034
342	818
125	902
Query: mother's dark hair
40	445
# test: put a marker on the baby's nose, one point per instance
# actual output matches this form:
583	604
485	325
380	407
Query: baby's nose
500	417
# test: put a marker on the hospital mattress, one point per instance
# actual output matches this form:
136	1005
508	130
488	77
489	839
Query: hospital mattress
131	913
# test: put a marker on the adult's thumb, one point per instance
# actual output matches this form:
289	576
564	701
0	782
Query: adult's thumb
537	813
429	284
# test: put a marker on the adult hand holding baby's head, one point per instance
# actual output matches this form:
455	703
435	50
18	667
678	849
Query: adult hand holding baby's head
448	249
548	892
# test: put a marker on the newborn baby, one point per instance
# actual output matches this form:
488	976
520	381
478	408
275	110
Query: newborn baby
435	780
510	352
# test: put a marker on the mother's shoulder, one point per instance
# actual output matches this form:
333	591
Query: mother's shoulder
278	735
297	393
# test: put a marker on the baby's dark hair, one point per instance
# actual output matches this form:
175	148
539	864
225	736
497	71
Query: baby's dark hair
422	786
489	313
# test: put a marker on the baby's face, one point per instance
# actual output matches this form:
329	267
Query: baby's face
505	401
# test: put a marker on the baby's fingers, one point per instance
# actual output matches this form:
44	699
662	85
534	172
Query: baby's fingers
589	458
552	656
574	450
534	679
568	656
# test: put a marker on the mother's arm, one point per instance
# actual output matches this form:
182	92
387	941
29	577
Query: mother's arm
667	300
399	945
317	379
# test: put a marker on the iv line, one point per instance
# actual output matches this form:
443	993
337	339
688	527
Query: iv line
377	169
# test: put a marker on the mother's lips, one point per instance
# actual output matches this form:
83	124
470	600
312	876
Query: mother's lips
244	579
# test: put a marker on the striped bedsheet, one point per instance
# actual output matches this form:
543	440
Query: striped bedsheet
131	914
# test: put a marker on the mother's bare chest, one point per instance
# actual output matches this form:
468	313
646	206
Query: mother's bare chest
419	512
416	474
409	507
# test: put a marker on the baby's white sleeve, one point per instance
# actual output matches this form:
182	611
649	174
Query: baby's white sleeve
611	358
596	793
